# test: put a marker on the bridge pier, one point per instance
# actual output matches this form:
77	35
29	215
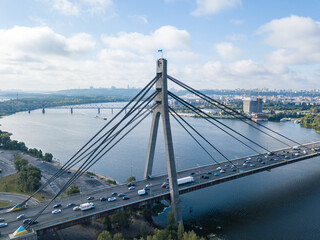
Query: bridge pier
163	110
111	110
71	110
43	110
98	110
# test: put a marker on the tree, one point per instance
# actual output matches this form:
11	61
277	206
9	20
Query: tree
143	230
29	178
72	190
118	236
19	163
121	220
105	235
48	157
131	179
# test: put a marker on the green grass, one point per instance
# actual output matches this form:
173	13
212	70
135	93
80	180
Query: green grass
10	184
5	203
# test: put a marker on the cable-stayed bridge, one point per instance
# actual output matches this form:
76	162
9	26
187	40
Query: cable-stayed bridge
169	186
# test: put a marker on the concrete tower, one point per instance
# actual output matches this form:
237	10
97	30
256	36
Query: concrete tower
163	111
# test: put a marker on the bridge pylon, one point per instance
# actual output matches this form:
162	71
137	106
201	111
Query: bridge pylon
163	110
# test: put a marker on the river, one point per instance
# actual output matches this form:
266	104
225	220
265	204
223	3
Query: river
281	204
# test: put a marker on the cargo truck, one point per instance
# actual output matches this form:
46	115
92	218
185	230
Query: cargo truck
185	180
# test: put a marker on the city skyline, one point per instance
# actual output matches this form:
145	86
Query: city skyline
217	44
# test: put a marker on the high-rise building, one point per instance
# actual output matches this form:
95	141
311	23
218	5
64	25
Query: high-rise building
252	105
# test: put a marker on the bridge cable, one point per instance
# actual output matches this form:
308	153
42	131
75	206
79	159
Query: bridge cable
197	110
78	175
70	161
209	99
173	115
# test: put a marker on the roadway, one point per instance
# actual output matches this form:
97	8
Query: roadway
236	169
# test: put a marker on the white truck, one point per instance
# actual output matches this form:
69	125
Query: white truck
142	192
86	206
185	180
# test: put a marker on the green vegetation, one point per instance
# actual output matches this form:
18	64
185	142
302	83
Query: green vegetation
114	182
91	173
311	121
279	106
72	190
10	184
29	178
171	232
5	203
158	208
19	163
278	116
131	179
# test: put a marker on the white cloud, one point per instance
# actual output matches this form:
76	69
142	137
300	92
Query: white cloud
38	41
75	8
166	38
296	39
227	50
207	7
140	18
66	7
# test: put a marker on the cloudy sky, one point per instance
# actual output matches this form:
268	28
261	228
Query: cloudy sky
64	44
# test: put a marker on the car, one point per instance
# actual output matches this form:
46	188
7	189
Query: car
263	162
297	154
111	199
252	165
21	217
164	184
209	173
192	173
222	171
56	211
2	225
90	198
131	188
121	195
130	184
149	185
114	194
76	208
71	204
91	176
244	164
234	169
69	172
216	174
102	199
205	176
218	168
57	205
125	198
1	219
270	153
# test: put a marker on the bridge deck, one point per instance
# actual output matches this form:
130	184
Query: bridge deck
204	176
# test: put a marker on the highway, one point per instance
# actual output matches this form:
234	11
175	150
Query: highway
204	176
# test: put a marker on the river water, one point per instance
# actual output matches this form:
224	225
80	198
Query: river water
281	204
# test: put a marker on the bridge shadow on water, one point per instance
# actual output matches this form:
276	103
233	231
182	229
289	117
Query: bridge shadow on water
288	210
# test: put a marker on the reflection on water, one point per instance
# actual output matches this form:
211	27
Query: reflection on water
281	204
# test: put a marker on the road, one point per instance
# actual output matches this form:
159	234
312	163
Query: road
18	198
237	168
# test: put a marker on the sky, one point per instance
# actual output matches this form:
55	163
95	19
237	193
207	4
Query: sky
212	44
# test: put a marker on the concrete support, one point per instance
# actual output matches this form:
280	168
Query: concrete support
98	110
43	110
71	110
163	110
